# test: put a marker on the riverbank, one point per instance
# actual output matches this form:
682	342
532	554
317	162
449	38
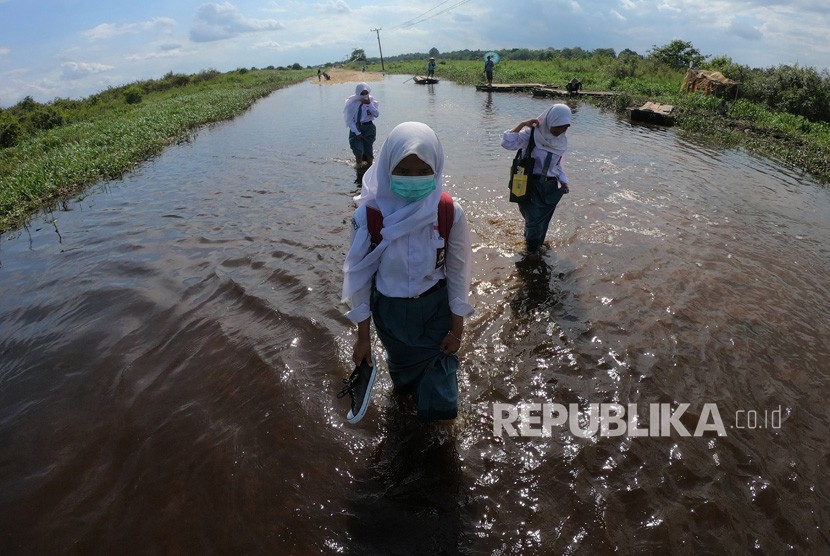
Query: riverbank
342	75
783	136
137	123
119	128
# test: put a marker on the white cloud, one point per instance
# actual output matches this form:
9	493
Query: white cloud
223	21
109	30
79	70
334	7
153	55
745	31
4	51
667	7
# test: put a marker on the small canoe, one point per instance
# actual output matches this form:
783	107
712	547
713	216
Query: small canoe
422	80
508	87
557	92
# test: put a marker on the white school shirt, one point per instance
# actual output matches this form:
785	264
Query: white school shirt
515	140
368	112
407	267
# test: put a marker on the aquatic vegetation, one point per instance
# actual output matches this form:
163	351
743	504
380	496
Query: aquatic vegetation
104	144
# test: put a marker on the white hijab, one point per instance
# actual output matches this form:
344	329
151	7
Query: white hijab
399	216
353	102
558	114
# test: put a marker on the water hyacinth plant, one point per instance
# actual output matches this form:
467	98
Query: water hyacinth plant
105	143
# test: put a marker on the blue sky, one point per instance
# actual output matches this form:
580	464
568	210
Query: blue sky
74	48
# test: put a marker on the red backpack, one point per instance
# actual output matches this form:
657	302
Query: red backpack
446	213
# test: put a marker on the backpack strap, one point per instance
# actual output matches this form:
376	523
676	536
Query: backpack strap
446	214
374	220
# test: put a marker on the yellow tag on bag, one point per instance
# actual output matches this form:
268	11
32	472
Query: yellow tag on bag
519	185
520	172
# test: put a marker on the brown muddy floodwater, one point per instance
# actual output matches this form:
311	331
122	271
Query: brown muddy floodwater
172	346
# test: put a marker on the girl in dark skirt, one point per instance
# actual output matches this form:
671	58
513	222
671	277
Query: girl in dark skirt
548	183
413	283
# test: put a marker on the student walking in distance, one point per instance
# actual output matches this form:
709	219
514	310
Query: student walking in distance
359	113
488	70
548	182
412	278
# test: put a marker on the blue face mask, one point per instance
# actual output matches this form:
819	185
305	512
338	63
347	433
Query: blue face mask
412	188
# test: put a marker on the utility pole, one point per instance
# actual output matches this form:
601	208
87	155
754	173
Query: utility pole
379	48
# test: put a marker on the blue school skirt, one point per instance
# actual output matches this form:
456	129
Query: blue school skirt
411	330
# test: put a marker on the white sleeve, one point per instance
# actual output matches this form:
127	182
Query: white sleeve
360	299
562	177
459	264
515	140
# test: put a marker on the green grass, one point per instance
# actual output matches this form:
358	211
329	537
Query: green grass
787	137
106	143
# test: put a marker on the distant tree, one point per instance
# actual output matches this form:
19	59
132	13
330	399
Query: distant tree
730	69
358	55
434	52
678	54
575	53
604	53
628	53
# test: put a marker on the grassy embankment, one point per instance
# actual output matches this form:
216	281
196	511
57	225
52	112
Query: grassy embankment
106	135
789	138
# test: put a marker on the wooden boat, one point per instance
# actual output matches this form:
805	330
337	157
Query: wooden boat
508	87
422	80
557	92
653	113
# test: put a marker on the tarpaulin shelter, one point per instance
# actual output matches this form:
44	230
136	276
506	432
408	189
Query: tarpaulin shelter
709	83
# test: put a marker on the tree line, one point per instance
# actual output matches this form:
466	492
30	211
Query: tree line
802	91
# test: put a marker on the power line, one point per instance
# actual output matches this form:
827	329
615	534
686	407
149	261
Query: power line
414	20
423	17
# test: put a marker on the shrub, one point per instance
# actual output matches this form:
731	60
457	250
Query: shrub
133	94
206	75
9	133
44	117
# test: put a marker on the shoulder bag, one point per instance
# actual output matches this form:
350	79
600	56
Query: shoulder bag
520	171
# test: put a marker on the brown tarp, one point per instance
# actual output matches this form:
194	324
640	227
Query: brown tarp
709	83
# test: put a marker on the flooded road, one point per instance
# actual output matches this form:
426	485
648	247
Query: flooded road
172	346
